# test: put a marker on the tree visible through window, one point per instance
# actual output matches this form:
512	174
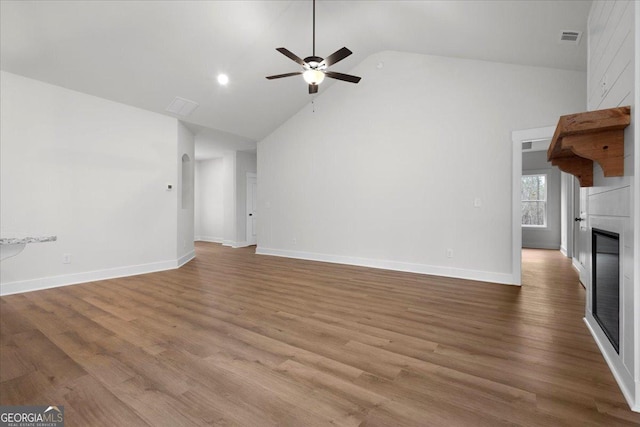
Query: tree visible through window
534	200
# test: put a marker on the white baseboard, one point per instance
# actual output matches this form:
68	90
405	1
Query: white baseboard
628	394
483	276
563	251
91	276
575	264
582	273
541	245
234	245
242	244
229	243
186	258
209	239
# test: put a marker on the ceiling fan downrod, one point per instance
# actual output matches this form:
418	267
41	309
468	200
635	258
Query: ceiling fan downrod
314	27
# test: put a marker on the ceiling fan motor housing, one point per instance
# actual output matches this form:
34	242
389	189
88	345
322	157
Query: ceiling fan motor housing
315	62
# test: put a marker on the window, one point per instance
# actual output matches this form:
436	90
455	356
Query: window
534	200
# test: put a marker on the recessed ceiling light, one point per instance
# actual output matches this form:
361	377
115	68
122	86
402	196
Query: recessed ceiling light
223	79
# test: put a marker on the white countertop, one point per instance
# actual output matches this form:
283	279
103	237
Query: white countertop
27	239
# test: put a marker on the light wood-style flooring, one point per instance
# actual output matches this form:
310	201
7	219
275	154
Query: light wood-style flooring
234	338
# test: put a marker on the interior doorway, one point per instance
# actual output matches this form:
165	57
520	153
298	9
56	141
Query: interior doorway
252	211
518	138
580	232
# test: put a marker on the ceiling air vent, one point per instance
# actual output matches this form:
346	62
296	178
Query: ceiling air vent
570	37
526	145
182	107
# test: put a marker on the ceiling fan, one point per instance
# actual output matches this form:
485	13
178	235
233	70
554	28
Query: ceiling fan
314	68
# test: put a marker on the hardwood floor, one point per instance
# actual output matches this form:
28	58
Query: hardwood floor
233	338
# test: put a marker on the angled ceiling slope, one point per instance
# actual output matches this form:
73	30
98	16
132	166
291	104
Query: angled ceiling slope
145	53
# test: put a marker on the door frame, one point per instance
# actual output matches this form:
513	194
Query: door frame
248	239
583	269
517	138
569	184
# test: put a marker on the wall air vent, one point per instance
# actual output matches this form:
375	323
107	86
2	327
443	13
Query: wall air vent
570	37
182	107
526	145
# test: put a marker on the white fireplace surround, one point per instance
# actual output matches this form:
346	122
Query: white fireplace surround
622	364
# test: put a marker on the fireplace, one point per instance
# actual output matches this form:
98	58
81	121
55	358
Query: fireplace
605	301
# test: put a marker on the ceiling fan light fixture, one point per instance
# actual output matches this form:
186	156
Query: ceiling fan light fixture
314	68
313	77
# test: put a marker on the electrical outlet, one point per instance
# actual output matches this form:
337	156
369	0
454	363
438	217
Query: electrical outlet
295	241
449	253
477	202
66	258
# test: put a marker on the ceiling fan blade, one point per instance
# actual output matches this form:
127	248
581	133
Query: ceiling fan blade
336	56
279	76
286	52
313	89
340	76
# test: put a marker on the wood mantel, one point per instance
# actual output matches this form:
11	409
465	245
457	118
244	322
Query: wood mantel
580	139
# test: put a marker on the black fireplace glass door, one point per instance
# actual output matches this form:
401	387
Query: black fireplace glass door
606	284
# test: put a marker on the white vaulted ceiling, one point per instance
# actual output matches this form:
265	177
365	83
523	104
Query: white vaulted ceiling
145	53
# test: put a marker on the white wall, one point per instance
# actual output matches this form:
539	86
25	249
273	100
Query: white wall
612	43
94	173
186	165
535	162
385	173
209	201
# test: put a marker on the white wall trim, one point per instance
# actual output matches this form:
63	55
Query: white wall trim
563	251
517	137
246	208
569	194
575	265
539	245
186	258
241	244
635	212
628	394
458	273
235	245
209	239
89	276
